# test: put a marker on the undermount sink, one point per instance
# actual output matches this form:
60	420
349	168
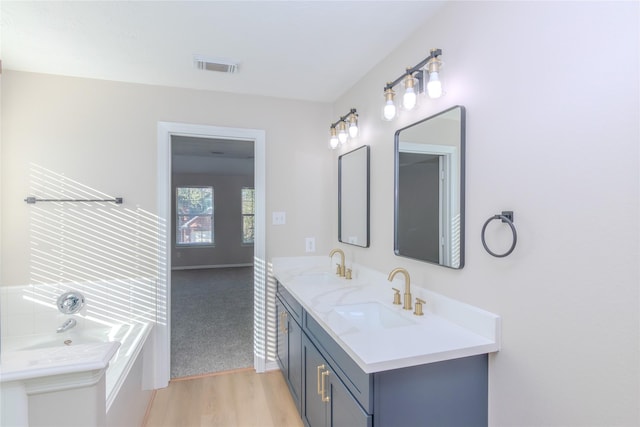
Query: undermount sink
372	315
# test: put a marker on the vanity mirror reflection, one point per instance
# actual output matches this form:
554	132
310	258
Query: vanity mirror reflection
429	189
353	197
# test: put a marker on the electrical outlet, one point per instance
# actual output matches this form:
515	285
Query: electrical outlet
279	218
310	244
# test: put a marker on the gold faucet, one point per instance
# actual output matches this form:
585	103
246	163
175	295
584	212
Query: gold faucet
407	285
340	271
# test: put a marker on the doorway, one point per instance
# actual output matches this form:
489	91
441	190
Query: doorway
212	234
162	332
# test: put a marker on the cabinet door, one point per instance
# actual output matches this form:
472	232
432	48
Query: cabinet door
327	401
344	409
289	350
282	341
314	410
295	360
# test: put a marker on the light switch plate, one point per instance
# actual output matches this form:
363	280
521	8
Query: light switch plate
279	218
310	244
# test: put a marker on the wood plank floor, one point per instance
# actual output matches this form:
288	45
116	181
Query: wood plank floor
234	399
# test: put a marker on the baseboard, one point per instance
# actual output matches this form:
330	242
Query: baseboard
202	267
212	374
271	366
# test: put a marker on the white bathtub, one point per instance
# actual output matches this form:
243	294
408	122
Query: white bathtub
43	355
130	336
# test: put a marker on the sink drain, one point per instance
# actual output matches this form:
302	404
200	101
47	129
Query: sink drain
67	342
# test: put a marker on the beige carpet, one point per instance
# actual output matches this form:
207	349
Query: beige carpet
211	320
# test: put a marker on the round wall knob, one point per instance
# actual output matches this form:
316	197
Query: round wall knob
70	302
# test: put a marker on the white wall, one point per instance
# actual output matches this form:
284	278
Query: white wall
103	135
552	97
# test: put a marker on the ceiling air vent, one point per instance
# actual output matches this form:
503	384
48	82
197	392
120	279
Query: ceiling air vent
215	64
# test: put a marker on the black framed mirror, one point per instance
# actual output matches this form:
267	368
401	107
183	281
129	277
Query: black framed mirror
429	189
353	197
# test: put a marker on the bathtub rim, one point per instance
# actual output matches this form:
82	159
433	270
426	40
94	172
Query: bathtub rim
18	365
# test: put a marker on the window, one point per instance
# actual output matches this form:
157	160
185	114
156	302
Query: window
248	216
194	216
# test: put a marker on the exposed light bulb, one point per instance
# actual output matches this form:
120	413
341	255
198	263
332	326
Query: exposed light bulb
333	141
434	87
353	126
389	109
342	133
353	130
410	98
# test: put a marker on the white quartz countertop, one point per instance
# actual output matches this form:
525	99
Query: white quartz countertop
396	338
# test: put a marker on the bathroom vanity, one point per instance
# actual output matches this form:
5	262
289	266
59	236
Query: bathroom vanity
352	358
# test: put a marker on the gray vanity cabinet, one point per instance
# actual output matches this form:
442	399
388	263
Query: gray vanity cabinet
326	400
289	347
330	388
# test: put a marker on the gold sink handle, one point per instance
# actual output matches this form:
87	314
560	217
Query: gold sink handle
396	296
347	274
418	310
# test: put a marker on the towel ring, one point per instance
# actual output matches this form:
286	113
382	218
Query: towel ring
505	216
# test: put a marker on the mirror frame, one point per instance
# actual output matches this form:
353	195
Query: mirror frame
368	191
462	178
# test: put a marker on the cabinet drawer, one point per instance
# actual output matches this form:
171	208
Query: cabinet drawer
293	306
359	383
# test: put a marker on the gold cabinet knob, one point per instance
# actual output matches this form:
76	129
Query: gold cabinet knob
396	296
418	310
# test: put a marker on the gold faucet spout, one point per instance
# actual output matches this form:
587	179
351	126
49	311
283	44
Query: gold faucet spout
407	285
341	268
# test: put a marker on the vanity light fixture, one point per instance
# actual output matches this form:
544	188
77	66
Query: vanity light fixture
413	81
343	129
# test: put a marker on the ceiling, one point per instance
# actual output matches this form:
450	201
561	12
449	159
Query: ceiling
308	50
